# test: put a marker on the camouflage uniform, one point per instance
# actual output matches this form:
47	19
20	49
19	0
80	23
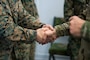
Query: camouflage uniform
30	6
84	52
76	46
16	25
25	51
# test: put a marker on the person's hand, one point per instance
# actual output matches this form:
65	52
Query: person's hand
76	24
41	36
51	33
48	26
45	35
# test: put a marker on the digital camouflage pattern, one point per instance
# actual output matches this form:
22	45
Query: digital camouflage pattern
85	32
16	25
78	48
62	29
25	51
84	53
30	6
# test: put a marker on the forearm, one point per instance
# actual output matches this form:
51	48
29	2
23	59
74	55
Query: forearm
9	30
22	34
62	29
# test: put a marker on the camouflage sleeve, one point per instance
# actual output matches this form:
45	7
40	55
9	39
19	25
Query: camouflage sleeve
68	9
62	29
27	20
85	31
10	30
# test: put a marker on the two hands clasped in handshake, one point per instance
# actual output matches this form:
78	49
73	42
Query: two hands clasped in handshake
46	34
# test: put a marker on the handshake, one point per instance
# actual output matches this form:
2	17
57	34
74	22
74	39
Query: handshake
46	34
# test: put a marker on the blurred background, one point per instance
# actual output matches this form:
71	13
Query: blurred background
47	10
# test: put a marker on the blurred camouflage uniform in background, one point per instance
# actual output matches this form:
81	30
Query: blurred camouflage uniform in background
16	25
26	51
78	48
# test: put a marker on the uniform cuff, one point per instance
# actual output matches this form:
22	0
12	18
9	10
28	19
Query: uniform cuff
41	25
31	36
